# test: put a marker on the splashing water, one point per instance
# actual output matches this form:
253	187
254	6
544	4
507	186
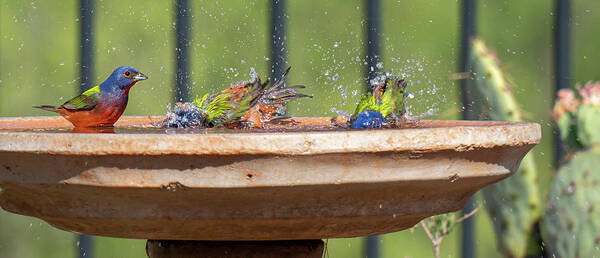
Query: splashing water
253	73
250	103
183	115
421	86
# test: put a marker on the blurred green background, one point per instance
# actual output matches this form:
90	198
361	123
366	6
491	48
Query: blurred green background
325	47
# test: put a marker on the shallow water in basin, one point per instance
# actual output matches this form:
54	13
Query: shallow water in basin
150	129
156	130
293	125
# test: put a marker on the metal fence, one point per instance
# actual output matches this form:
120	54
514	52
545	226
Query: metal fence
278	43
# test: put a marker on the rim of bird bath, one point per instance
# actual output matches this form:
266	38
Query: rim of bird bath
247	185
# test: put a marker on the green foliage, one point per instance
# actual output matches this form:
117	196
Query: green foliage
440	225
571	225
437	227
514	203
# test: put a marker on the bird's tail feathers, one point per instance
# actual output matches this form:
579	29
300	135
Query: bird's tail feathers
285	94
279	83
47	107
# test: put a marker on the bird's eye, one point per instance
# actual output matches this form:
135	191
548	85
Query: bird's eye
127	74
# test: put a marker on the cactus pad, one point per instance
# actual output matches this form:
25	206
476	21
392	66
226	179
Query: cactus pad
571	226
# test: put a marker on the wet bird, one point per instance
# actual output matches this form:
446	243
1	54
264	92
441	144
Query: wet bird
384	104
247	103
102	105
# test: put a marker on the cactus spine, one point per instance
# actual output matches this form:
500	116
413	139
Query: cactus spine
514	203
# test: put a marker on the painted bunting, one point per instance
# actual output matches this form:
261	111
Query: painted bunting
101	105
248	103
385	103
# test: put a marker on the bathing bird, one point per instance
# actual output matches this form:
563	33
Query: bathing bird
383	104
250	103
102	105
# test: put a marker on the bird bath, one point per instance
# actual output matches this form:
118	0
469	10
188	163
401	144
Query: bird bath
226	186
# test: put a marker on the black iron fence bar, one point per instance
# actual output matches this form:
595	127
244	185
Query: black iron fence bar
373	33
183	28
373	56
562	33
468	30
84	244
182	37
278	38
86	44
372	247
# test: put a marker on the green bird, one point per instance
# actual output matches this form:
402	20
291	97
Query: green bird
249	103
384	104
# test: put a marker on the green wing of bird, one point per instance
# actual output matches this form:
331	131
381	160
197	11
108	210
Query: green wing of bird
367	102
388	103
391	101
85	101
214	106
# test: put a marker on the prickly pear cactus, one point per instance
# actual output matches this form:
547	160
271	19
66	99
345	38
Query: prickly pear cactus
588	124
588	114
579	120
514	206
571	226
566	121
513	203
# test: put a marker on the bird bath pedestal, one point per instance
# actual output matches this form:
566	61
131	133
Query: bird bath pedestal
218	190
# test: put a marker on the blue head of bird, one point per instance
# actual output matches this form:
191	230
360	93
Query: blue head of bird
121	80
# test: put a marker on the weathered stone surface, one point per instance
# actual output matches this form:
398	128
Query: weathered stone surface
252	186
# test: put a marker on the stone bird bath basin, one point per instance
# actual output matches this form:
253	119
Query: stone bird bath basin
249	186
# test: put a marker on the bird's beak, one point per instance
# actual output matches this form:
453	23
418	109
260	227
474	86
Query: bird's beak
140	77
